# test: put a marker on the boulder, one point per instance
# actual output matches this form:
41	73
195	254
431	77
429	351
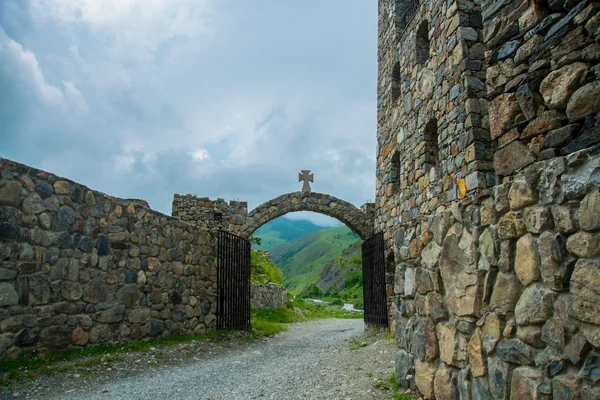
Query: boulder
585	291
9	193
459	273
558	86
584	102
425	377
528	383
589	212
445	383
584	244
535	305
405	369
527	260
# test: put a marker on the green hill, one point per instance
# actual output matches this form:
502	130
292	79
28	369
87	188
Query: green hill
283	230
302	260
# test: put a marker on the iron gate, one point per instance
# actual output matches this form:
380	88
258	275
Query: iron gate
373	265
233	282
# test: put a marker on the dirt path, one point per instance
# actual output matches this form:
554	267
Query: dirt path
313	360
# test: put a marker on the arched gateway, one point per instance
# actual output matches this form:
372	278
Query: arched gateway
234	217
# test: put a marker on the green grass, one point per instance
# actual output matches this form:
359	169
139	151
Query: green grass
262	270
27	367
390	384
303	259
282	230
270	322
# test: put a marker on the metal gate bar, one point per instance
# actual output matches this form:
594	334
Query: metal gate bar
374	293
233	281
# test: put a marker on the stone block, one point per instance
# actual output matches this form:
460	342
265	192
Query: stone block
506	292
589	212
555	263
476	355
503	110
584	303
584	102
537	219
453	345
527	260
9	193
405	370
8	294
558	87
535	305
584	244
499	376
529	383
511	225
445	384
425	377
515	351
512	157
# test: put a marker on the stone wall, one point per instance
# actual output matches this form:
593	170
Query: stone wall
491	213
267	295
234	216
79	267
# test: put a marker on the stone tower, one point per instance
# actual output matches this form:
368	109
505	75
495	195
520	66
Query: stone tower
488	168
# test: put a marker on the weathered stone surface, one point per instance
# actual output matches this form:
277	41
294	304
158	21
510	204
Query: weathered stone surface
515	351
590	371
513	157
528	383
491	331
537	219
96	291
405	371
565	387
583	244
459	272
453	345
8	294
558	87
576	349
584	101
445	386
56	337
71	290
487	249
33	204
563	218
535	305
589	212
464	384
585	292
499	375
548	121
505	295
476	355
424	377
431	254
112	315
521	194
503	111
61	187
129	295
531	335
527	260
561	136
555	273
79	336
511	225
9	193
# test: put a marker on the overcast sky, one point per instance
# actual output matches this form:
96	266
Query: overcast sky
219	98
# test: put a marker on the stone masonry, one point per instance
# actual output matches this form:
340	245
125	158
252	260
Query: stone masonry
79	267
267	296
488	194
234	217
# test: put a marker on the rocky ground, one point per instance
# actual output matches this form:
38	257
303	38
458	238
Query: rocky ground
324	359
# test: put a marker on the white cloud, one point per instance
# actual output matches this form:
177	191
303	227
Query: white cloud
134	27
23	69
200	155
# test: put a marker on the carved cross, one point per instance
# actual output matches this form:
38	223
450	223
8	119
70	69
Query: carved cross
306	176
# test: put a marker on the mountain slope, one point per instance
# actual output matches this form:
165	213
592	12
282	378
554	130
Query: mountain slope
302	260
283	230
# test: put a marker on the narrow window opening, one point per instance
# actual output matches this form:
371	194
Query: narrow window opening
395	85
395	172
431	142
422	43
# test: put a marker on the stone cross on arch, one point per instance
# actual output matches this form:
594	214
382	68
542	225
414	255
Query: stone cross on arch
306	176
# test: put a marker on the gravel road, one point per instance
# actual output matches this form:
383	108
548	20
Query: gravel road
320	359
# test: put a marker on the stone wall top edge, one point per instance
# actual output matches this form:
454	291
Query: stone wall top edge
116	200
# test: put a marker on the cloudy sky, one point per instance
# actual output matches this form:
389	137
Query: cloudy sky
219	98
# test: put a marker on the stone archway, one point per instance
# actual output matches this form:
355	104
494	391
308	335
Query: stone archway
358	220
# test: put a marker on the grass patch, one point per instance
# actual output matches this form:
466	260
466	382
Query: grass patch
390	384
270	322
46	363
